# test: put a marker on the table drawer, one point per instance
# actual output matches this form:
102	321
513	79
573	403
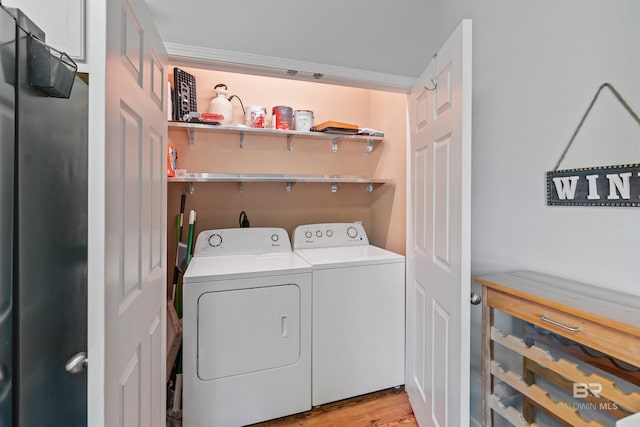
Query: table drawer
598	336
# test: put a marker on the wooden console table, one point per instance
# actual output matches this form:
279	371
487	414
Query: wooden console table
596	326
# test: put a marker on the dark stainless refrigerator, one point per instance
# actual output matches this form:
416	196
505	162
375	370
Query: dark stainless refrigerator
43	235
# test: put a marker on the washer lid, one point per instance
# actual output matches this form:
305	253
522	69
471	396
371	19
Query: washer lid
349	256
212	268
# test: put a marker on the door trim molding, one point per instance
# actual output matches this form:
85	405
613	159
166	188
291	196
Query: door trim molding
270	66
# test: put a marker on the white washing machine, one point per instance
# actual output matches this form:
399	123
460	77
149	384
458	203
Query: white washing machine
247	329
358	311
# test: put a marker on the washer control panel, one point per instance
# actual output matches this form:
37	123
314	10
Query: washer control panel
238	241
329	235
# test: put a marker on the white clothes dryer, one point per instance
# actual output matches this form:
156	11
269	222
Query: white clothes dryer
358	311
247	329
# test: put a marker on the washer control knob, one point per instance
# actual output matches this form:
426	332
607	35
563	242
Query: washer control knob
275	237
329	233
308	234
215	240
352	232
318	233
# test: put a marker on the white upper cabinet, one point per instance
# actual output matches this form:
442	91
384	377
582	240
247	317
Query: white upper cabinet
63	22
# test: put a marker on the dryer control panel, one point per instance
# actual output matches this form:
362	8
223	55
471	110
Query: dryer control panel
329	235
239	241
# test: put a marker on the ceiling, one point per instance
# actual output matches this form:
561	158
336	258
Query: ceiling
386	40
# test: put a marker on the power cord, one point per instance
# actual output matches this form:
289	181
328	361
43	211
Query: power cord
243	220
241	104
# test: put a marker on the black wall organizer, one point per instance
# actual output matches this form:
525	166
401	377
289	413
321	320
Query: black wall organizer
184	94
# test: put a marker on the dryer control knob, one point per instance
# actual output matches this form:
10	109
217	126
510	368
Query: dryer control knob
329	233
275	237
215	240
308	234
319	233
352	232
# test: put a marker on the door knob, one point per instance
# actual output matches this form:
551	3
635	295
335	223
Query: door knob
77	363
475	298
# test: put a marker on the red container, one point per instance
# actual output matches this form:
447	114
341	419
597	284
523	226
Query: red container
282	117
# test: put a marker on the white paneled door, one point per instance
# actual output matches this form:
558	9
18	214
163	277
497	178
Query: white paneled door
438	236
135	247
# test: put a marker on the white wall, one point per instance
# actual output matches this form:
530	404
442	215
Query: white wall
537	65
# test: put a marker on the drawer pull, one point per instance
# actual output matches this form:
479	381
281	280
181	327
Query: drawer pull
544	318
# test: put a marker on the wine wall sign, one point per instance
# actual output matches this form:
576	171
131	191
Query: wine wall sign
596	186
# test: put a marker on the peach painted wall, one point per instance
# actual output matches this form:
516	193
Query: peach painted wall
218	205
388	202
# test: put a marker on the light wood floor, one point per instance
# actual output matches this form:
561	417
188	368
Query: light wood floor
386	408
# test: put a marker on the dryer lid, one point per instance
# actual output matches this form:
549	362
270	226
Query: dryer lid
213	268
